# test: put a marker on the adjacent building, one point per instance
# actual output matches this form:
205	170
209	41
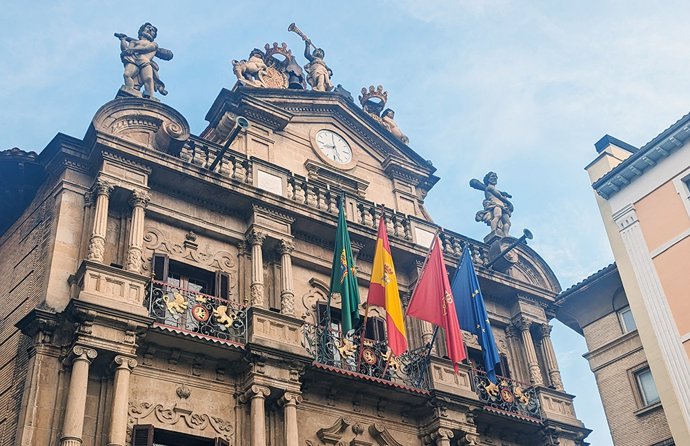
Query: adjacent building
161	287
644	200
598	309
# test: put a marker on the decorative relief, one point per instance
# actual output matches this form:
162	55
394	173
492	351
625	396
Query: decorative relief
148	413
375	434
156	240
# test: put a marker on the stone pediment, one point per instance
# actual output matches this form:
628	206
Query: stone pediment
276	108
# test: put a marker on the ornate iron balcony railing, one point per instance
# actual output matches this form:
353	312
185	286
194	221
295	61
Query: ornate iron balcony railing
508	395
367	357
197	313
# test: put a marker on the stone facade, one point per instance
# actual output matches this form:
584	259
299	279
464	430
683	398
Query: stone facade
615	353
152	298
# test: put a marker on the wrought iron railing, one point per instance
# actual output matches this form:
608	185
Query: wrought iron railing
197	313
507	395
368	357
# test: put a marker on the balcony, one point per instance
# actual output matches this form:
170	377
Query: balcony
197	314
366	358
508	397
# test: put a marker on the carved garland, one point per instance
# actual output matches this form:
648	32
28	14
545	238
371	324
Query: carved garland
137	413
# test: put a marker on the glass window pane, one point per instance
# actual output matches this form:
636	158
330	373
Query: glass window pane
647	387
627	320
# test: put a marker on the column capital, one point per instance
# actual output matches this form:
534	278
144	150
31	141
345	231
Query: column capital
523	324
545	330
255	391
511	331
125	362
103	187
81	353
139	198
255	237
290	399
442	434
286	246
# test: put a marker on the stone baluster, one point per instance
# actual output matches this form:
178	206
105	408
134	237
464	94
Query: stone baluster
117	435
550	357
442	437
138	201
532	361
249	172
73	422
289	401
256	395
256	287
311	195
102	189
287	294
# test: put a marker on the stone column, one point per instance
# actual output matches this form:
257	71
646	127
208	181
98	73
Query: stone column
532	361
138	201
289	401
73	423
117	435
550	357
257	397
513	349
287	294
256	288
442	437
102	190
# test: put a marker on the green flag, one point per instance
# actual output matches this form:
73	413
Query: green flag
344	274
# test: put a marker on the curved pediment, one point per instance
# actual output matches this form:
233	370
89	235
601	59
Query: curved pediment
141	122
531	268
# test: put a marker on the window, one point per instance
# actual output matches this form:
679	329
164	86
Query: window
646	386
626	319
147	435
187	277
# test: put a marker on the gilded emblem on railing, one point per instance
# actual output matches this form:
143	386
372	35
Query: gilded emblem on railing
224	317
177	305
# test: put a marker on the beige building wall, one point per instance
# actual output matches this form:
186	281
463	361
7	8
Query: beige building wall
645	213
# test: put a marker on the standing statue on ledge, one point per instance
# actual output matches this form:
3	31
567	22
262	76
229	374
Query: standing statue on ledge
497	207
392	126
140	68
318	73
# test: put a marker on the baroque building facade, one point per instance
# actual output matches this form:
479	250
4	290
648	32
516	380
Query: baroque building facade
155	296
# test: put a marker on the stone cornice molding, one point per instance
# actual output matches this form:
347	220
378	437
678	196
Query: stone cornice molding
130	164
273	214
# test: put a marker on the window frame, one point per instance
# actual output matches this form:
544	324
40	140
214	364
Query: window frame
641	388
624	327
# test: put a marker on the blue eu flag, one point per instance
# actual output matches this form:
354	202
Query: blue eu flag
469	305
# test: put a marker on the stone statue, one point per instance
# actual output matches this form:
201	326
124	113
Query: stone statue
497	207
389	123
283	69
251	72
318	73
140	68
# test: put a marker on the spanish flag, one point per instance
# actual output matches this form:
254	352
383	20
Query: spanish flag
383	291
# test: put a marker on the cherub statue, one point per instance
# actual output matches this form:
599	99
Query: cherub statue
251	72
318	73
140	68
497	207
389	122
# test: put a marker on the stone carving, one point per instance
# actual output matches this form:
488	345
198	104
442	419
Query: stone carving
283	71
156	240
497	207
256	291
96	248
318	73
250	72
380	433
183	392
84	353
139	413
140	68
333	434
373	101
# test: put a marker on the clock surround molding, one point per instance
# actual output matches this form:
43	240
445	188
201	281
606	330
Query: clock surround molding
315	147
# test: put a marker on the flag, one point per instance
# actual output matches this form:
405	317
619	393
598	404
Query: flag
344	274
469	304
383	291
432	301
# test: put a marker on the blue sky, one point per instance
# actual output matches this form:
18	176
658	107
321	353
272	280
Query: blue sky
522	88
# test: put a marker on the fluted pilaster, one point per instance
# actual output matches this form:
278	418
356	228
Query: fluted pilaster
139	200
287	294
102	190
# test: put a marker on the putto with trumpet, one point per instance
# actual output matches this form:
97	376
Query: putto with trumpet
318	73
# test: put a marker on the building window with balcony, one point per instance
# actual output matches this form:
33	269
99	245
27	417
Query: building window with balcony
626	319
646	387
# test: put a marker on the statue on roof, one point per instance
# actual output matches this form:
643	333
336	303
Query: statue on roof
373	101
392	126
283	69
497	207
140	68
318	73
251	72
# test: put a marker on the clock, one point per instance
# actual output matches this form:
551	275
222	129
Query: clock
333	147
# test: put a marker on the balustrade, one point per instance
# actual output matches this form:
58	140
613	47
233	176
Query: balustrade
197	313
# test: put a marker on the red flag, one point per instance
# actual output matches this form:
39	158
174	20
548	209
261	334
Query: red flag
433	302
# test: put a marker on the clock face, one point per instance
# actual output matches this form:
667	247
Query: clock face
333	146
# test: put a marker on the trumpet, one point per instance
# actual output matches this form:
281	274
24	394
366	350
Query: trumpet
293	28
